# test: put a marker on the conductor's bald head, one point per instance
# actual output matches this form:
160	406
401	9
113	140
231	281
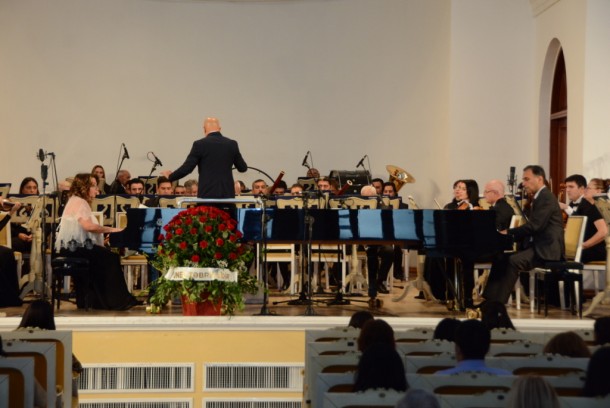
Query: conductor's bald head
211	125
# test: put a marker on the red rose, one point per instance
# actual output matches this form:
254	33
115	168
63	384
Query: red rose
193	231
183	245
222	227
232	256
232	226
160	237
168	236
188	221
203	219
203	244
179	231
167	227
195	258
233	238
239	234
178	222
217	255
208	228
220	242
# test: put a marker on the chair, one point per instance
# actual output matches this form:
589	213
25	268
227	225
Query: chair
368	399
520	348
44	355
5	240
63	360
281	253
415	335
5	188
20	371
563	270
544	365
165	202
334	334
427	348
584	402
68	266
105	205
134	264
488	399
499	336
461	383
150	184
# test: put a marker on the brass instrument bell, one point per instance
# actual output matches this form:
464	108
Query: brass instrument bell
398	176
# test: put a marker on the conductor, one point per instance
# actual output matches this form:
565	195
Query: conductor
215	155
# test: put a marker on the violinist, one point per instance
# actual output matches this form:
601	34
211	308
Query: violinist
9	283
593	246
21	237
465	196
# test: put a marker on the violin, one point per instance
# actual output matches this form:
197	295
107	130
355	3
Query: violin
561	199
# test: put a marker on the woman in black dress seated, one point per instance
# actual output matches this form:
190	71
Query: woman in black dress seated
81	236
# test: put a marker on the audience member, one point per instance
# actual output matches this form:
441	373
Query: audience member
375	331
495	316
601	331
192	186
597	382
380	366
358	319
416	398
472	340
568	344
445	329
532	391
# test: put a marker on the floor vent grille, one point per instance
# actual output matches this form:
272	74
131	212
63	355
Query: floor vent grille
169	377
253	376
251	403
133	403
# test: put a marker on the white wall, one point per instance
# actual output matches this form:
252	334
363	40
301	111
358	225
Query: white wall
442	88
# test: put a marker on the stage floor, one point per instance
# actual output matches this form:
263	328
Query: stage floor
409	312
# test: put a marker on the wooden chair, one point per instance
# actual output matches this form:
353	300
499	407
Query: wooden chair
105	205
583	402
68	266
368	399
426	348
488	399
167	202
468	383
5	188
281	253
603	205
135	266
520	348
562	271
415	335
544	365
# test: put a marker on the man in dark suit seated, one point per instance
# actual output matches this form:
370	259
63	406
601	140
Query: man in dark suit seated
214	155
544	229
164	188
494	195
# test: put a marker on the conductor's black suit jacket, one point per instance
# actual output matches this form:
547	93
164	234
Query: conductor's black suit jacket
215	155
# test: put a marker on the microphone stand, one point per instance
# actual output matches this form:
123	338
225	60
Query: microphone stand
152	170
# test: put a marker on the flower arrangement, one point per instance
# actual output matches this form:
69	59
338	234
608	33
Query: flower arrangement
203	241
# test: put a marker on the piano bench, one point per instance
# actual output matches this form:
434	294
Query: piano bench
76	267
131	265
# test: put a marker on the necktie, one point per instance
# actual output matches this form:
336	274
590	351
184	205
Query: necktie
573	204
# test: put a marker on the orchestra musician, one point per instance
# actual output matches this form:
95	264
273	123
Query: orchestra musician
9	283
214	155
494	194
544	229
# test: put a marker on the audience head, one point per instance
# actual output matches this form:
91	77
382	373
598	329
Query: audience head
495	316
378	184
472	340
296	189
494	190
416	398
259	187
601	330
135	186
445	329
380	366
29	185
84	186
358	319
597	382
532	391
164	186
179	190
375	331
39	314
568	344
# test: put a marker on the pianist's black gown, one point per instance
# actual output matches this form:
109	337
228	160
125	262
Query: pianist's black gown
107	289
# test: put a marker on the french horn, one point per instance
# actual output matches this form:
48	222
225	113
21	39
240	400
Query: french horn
398	176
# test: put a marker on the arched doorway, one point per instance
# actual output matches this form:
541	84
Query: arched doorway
558	135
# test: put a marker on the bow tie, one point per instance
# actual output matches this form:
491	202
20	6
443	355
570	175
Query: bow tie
573	204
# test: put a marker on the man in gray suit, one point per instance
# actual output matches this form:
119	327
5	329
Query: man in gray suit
215	156
544	229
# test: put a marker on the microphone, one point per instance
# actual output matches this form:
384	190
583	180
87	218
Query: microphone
41	156
125	153
157	161
511	178
304	164
361	162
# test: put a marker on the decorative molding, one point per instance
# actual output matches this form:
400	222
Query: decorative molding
539	6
